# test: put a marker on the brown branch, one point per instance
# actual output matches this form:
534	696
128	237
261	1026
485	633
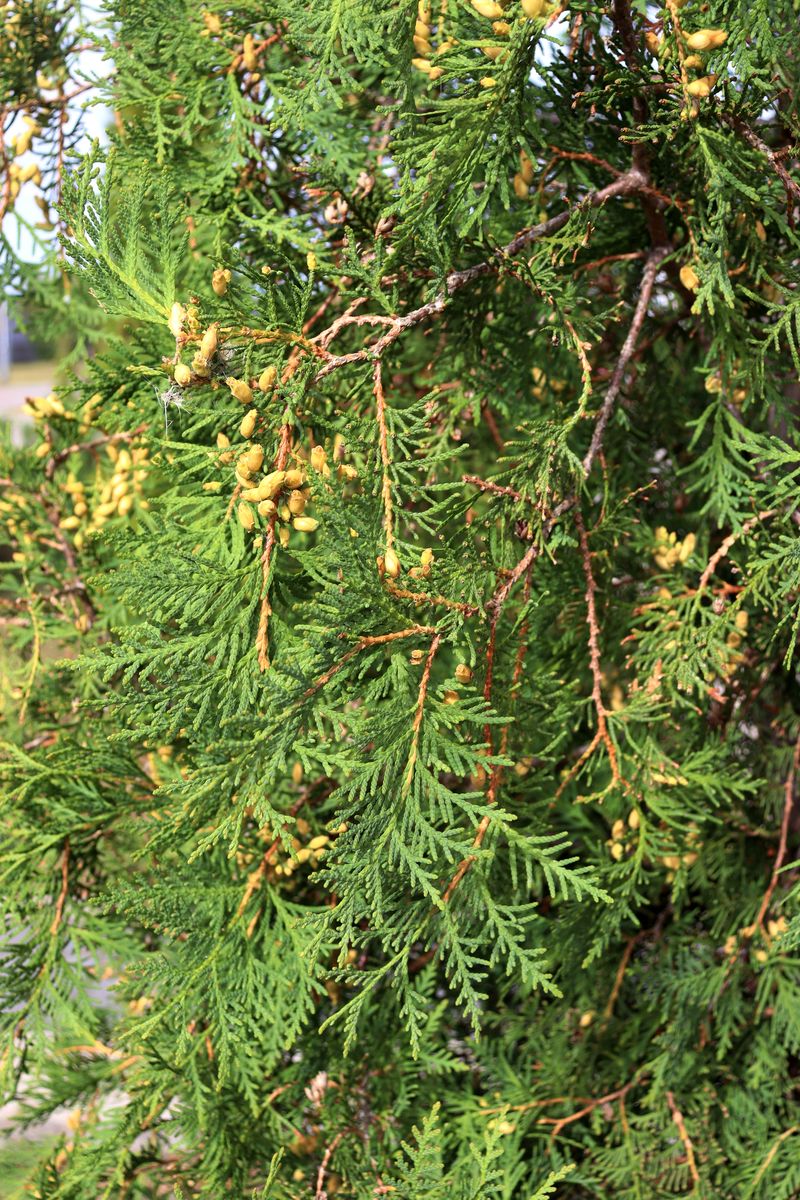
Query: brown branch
491	424
320	1193
773	1150
726	545
89	447
677	1117
486	485
383	438
363	644
495	778
788	804
752	138
630	183
469	610
559	1123
262	637
255	877
62	895
654	260
423	692
594	651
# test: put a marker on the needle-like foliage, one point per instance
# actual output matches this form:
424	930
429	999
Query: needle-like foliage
400	597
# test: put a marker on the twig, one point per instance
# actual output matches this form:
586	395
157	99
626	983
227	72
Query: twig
631	182
423	692
62	895
677	1117
78	447
788	804
654	260
725	546
559	1123
363	644
255	877
750	136
262	637
469	610
495	778
383	438
486	485
773	1150
320	1193
594	650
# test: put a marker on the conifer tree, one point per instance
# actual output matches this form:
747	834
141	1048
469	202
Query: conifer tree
401	724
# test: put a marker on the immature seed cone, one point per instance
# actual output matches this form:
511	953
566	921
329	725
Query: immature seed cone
220	280
248	423
305	524
707	39
271	484
293	479
426	557
319	458
521	188
266	508
689	278
177	315
249	56
266	380
246	516
252	459
488	9
534	8
391	563
525	167
463	673
241	390
183	374
297	503
702	87
208	342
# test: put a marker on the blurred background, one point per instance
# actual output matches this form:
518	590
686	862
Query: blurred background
26	369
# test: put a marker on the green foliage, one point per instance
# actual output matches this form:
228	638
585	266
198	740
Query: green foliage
399	593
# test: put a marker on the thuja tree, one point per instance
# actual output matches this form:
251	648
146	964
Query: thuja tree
401	723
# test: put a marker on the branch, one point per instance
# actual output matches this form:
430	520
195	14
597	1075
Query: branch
677	1117
752	138
594	653
726	545
654	260
383	437
423	692
262	637
788	804
631	182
